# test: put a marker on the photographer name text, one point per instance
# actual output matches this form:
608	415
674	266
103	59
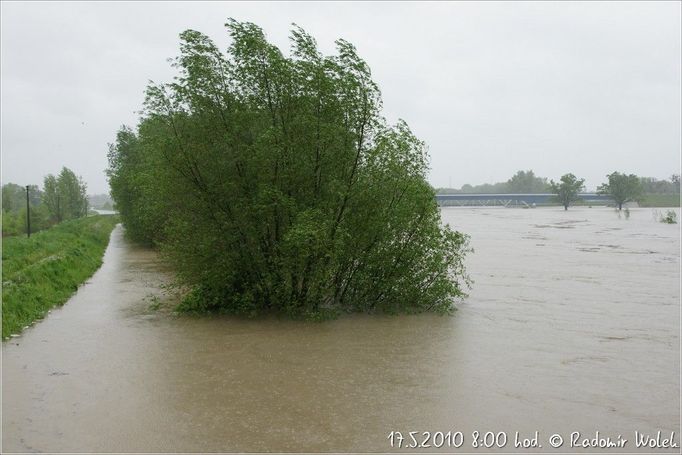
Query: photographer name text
500	439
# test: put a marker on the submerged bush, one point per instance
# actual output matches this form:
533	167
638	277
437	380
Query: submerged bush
272	183
670	217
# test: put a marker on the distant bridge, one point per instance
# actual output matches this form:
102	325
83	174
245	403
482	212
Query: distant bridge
508	200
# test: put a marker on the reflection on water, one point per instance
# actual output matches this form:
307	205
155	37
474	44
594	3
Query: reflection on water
572	325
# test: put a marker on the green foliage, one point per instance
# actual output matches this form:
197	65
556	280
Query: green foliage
44	270
486	188
14	210
65	196
660	200
129	179
13	224
567	189
14	197
651	185
622	188
51	197
521	182
527	182
273	184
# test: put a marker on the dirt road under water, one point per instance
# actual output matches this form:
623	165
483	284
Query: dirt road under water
573	324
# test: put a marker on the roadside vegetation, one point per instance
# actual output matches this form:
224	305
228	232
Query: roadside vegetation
14	210
274	184
44	270
63	197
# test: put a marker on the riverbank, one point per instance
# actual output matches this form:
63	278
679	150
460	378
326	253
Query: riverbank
44	270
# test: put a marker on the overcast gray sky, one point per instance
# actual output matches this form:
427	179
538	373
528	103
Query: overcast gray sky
492	88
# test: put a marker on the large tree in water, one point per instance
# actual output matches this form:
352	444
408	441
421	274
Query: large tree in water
273	183
622	188
567	189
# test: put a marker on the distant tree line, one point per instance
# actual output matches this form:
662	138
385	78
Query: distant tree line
622	188
528	182
521	182
651	185
14	209
100	201
63	197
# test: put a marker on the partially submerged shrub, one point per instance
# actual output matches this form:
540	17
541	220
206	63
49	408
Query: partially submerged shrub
670	217
273	183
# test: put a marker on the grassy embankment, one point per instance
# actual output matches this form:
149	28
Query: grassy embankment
43	271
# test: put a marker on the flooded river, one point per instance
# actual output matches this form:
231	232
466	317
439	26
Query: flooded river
573	324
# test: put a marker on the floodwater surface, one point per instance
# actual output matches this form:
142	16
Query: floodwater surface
572	324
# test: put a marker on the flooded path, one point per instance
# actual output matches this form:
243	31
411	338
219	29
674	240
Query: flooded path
573	324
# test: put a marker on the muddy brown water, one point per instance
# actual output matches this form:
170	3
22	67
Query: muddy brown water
573	324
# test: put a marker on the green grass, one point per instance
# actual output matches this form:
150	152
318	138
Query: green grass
43	271
660	200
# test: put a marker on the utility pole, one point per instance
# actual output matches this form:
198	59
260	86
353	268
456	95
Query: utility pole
28	215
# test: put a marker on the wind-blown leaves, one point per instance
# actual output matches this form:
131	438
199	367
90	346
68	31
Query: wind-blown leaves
272	183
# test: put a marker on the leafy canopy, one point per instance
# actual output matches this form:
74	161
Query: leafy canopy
622	188
567	189
520	182
14	210
273	183
65	195
527	182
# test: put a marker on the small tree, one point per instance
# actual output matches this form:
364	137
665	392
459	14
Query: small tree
51	197
622	188
73	194
65	196
567	189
